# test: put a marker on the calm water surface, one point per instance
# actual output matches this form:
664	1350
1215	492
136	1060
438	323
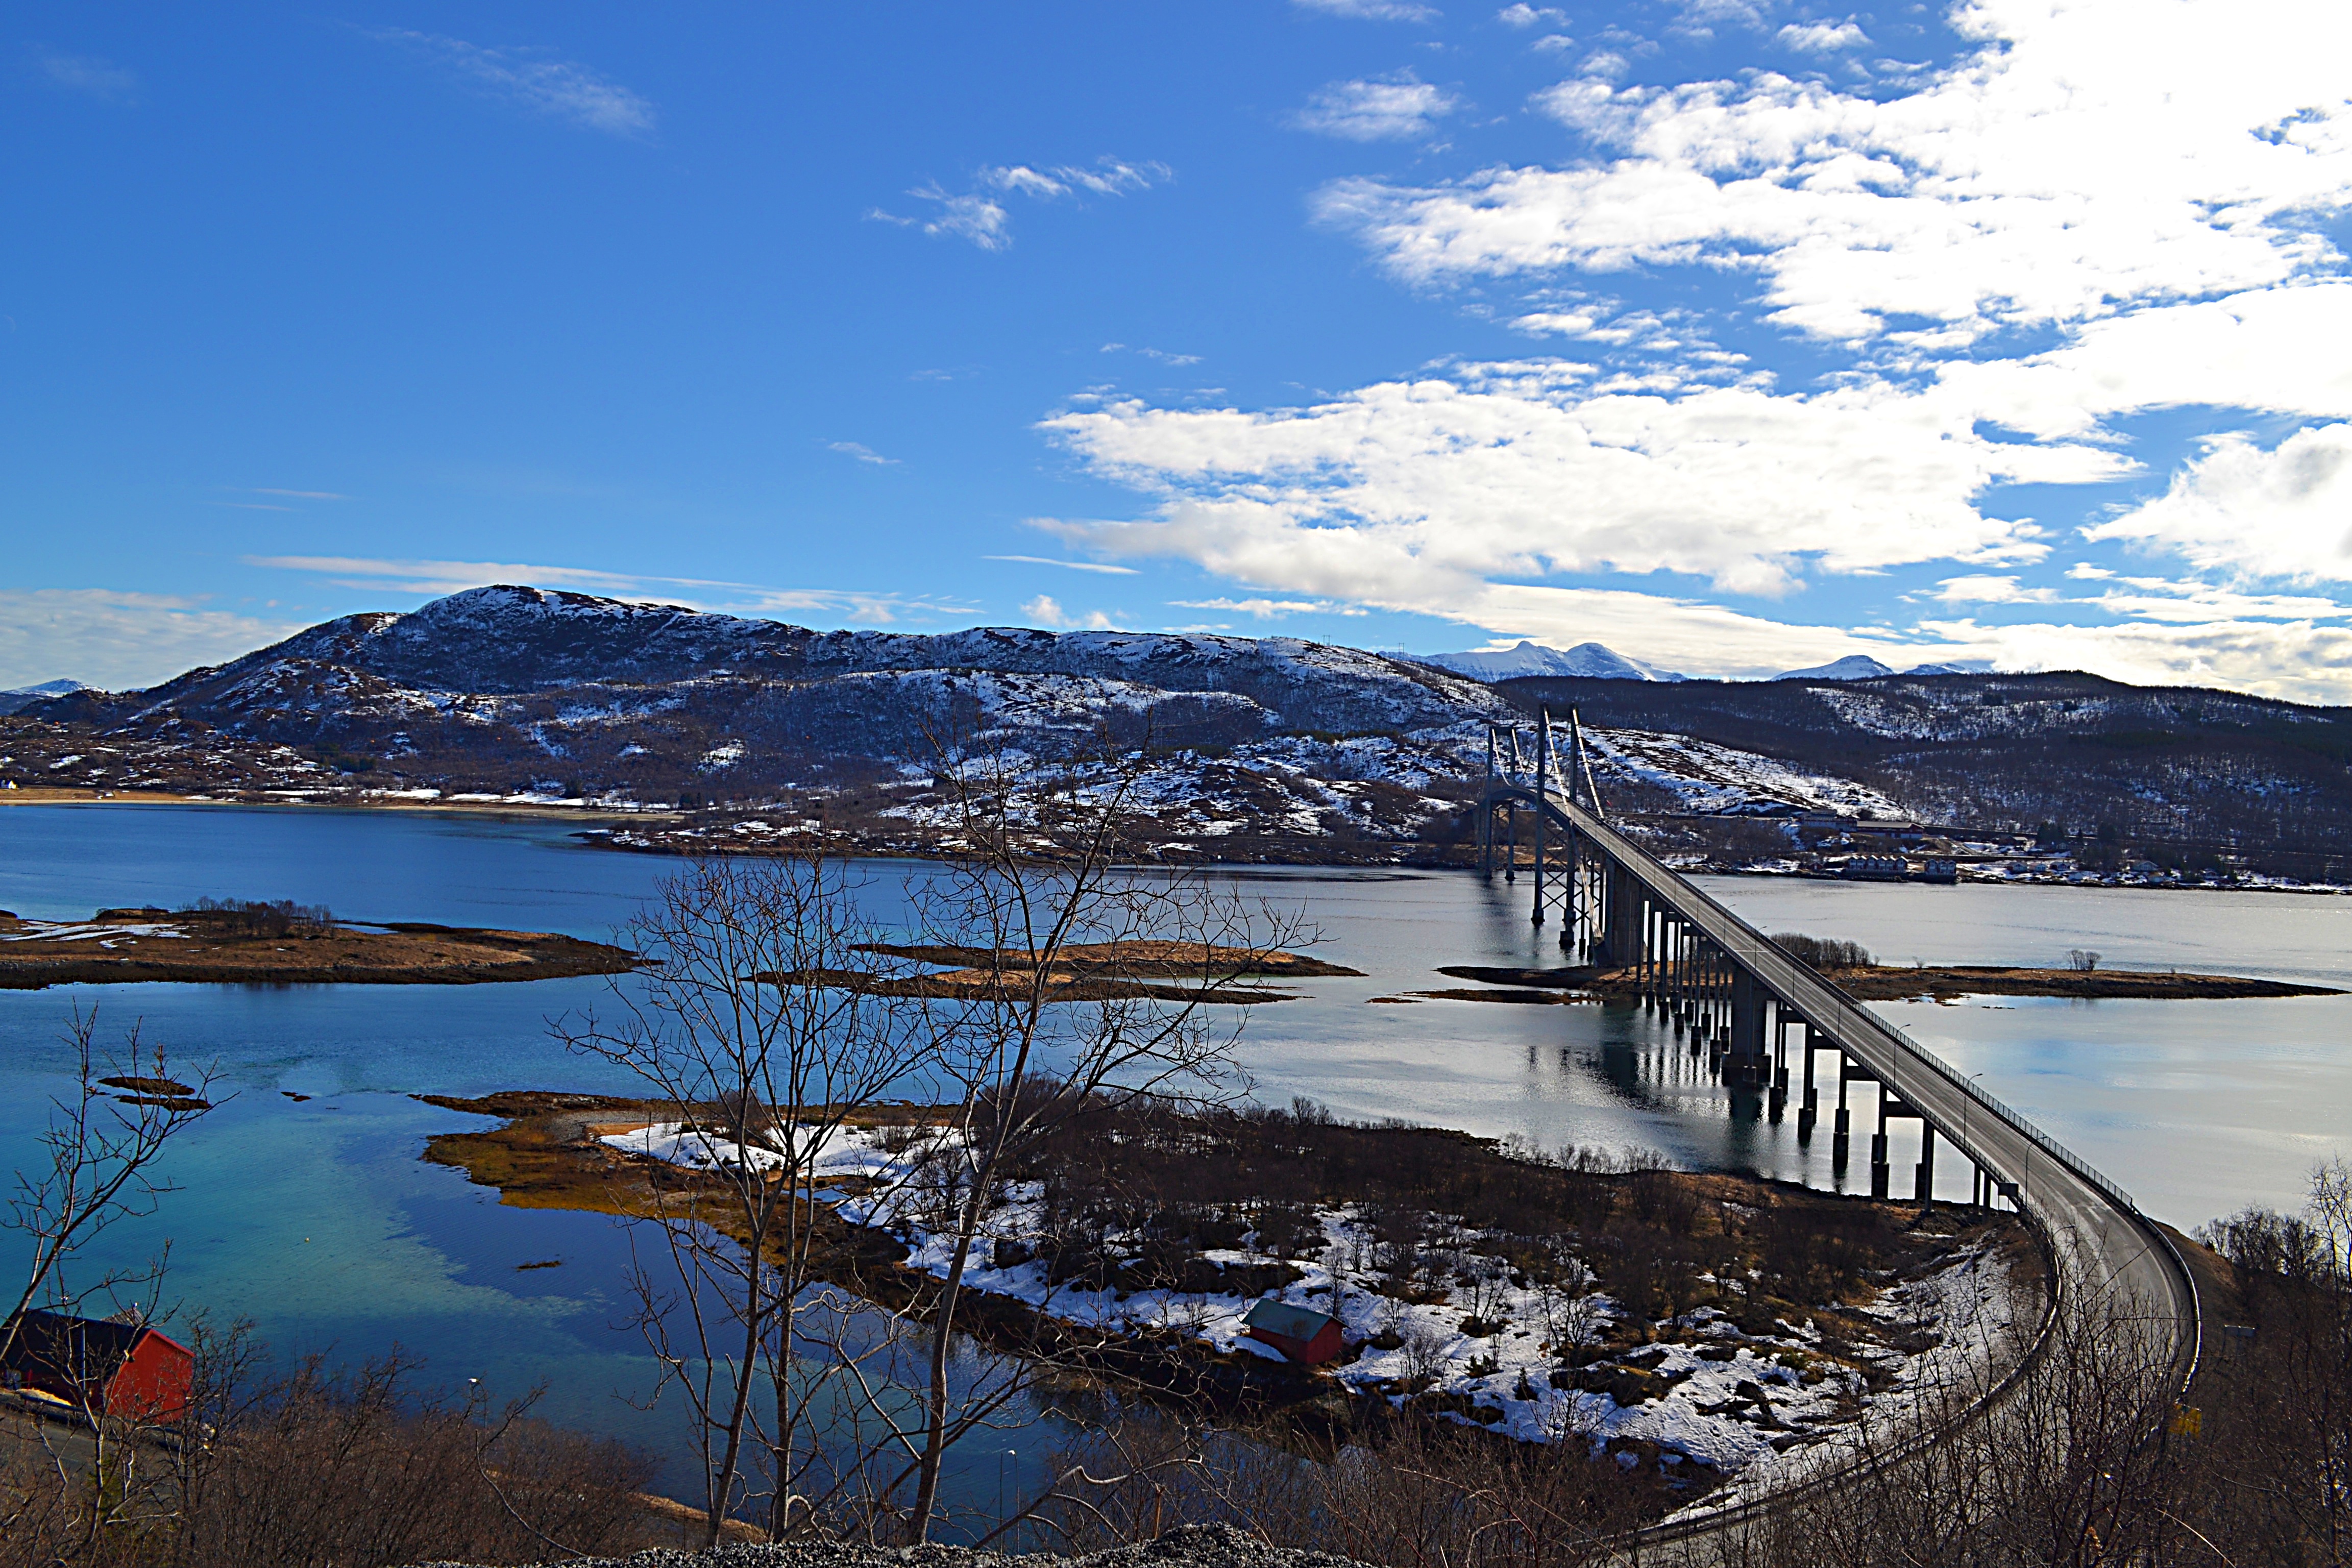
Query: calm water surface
318	1219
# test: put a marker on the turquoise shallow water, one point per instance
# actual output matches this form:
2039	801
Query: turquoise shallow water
318	1219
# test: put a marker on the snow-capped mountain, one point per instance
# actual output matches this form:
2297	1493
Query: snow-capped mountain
1853	666
1588	660
18	697
505	687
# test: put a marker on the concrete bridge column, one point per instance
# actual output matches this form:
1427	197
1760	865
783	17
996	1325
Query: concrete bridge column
1878	1172
1674	971
1779	1097
1809	1110
1746	1024
1923	1176
1622	898
1840	1141
1648	962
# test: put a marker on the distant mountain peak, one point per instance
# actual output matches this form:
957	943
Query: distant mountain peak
1586	660
17	698
1853	666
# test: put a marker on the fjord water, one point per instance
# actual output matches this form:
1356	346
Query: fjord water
317	1219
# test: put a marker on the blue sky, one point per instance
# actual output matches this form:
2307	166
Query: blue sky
1736	334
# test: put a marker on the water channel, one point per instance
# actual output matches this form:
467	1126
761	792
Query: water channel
317	1219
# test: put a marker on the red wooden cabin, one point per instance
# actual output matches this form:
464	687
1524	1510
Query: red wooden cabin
101	1366
1303	1334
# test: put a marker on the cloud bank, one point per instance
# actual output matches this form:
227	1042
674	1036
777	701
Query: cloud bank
2100	211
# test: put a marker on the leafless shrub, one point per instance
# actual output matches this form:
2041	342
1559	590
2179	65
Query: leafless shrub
311	1466
260	917
1401	1492
1824	952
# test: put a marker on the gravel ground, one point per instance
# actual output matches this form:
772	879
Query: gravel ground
1198	1546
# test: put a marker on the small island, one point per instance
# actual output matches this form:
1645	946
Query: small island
1082	972
254	944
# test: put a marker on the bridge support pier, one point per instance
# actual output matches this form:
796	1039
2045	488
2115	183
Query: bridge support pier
1746	1030
1810	1112
1923	1175
1878	1170
1841	1142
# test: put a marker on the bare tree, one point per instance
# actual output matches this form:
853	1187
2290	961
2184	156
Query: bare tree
764	1025
96	1168
1045	894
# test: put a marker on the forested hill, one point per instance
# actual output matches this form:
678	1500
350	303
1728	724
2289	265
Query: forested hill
2180	766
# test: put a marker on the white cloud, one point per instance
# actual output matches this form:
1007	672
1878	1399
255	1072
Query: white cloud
1046	611
1988	589
1107	177
988	224
1412	489
2192	603
1160	355
861	452
1269	609
1100	566
2089	159
300	495
1564	323
1522	15
1822	37
1371	10
2286	512
977	218
2296	660
560	90
2248	350
86	73
117	640
1393	110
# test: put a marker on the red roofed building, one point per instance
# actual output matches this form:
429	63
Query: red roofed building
100	1366
1305	1335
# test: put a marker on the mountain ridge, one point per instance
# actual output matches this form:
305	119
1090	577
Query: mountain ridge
1253	748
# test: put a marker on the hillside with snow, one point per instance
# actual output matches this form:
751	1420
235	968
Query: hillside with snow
1592	660
745	733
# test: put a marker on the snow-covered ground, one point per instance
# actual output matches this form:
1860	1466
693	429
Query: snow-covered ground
1490	1344
104	933
1711	778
